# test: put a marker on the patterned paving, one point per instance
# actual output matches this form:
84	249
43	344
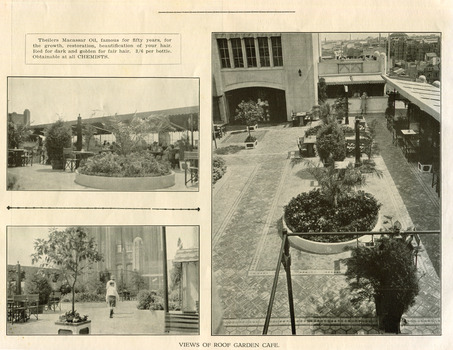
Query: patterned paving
248	205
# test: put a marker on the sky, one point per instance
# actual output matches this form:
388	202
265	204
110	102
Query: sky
21	239
51	98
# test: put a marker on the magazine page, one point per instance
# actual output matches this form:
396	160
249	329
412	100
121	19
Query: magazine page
225	175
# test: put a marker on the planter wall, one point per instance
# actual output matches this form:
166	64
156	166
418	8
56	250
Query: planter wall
74	328
250	145
323	247
129	184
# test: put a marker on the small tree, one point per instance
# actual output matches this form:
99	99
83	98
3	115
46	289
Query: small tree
336	182
70	250
137	280
341	106
250	113
58	136
387	275
129	137
17	134
331	143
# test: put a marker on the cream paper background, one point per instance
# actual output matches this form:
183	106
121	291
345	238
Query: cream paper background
20	17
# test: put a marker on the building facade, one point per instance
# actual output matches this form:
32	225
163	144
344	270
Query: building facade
280	68
131	249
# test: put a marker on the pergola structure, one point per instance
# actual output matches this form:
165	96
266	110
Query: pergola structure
167	120
423	118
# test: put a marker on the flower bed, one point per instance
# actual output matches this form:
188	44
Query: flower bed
218	168
139	171
137	164
310	211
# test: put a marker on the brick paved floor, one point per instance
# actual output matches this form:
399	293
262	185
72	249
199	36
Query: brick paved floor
127	320
42	177
248	204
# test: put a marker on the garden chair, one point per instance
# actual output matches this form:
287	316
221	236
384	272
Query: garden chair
303	149
69	159
55	301
27	157
33	304
20	311
190	167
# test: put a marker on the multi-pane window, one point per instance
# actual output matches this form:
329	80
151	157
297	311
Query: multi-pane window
241	52
263	45
237	53
250	52
277	53
224	54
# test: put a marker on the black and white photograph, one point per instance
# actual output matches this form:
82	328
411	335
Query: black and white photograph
326	193
102	280
109	134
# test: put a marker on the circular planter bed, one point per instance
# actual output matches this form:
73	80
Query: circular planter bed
309	212
325	248
126	183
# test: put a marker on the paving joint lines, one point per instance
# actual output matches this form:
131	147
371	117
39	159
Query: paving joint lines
226	220
270	215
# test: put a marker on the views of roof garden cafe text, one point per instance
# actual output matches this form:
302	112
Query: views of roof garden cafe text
103	134
326	211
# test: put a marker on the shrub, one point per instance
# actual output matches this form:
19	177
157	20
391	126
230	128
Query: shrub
58	136
137	164
330	143
229	149
85	297
218	168
313	131
12	183
39	284
386	274
312	211
149	300
250	139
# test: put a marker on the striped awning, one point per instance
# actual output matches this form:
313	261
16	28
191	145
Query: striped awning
354	79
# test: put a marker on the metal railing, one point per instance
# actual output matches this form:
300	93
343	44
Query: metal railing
284	258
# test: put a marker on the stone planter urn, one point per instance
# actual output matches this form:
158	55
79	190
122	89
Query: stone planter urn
69	328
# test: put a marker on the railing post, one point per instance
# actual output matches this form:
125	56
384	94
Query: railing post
274	286
286	261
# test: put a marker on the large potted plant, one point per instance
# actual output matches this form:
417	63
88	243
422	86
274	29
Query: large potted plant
330	143
250	113
386	274
73	251
58	136
335	207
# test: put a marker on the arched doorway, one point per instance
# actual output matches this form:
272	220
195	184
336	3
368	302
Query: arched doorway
275	98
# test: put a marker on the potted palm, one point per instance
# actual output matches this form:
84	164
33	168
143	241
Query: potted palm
58	136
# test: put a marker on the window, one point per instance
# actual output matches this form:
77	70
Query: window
263	46
250	52
237	53
277	53
118	248
224	54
